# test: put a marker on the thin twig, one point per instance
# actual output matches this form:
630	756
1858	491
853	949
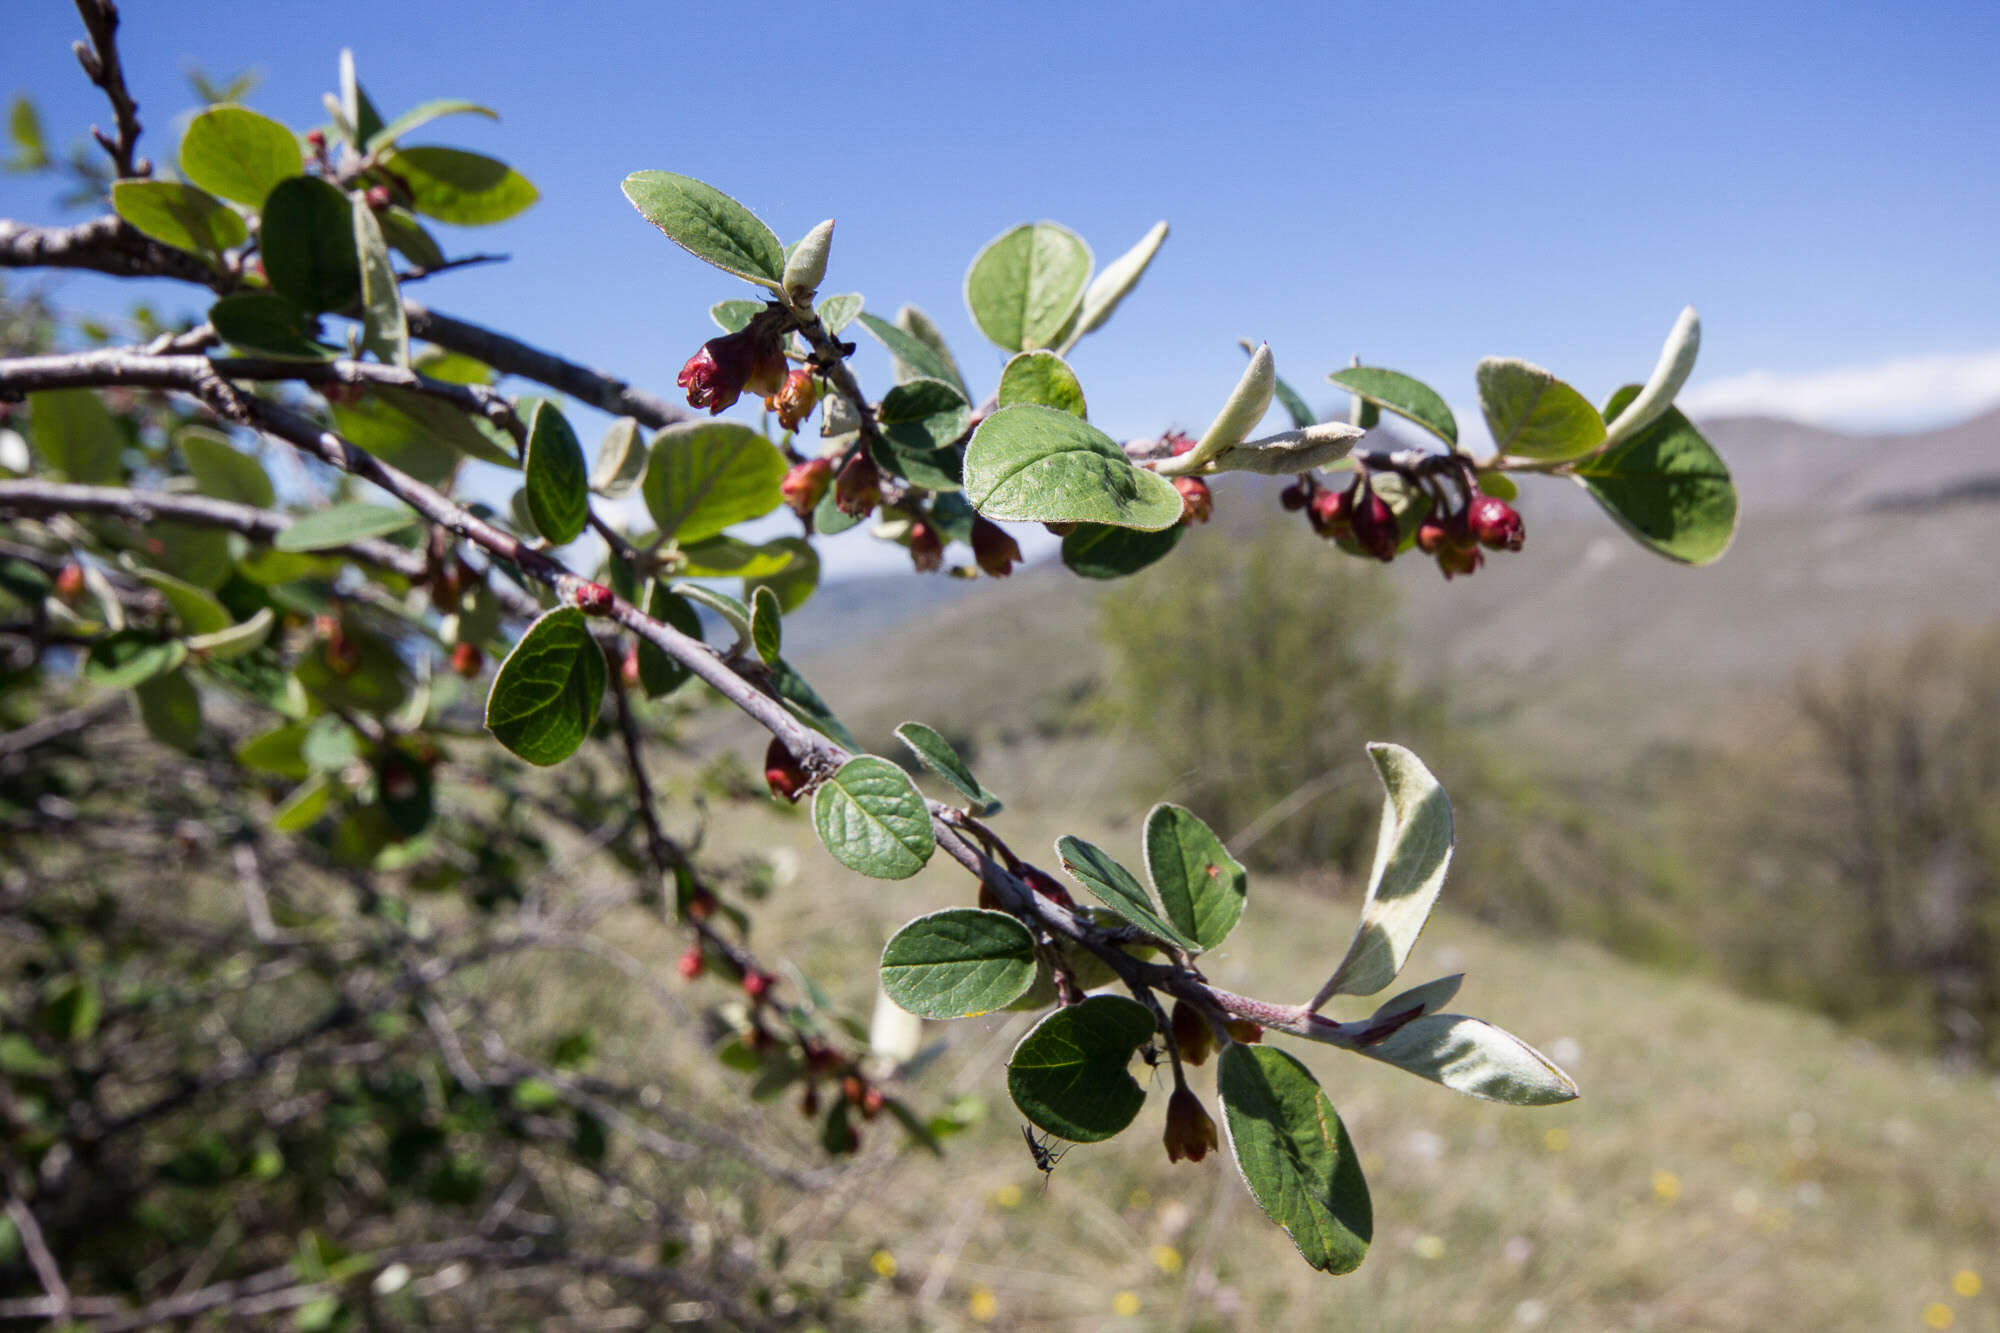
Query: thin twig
99	59
47	1271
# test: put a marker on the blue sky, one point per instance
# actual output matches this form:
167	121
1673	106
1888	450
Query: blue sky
1420	185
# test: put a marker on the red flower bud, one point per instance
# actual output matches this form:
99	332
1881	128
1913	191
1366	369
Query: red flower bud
1455	560
1192	1034
795	399
851	1088
701	905
1374	525
377	198
1196	502
782	772
69	584
1190	1133
594	599
1295	496
1332	512
996	552
859	487
1494	524
872	1102
1430	536
756	985
691	964
316	140
1046	884
926	549
805	484
467	660
628	668
1243	1030
752	358
1178	443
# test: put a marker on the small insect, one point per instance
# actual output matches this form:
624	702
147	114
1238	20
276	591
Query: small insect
1150	1053
1046	1159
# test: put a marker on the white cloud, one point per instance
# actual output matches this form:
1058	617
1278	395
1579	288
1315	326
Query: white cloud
1906	393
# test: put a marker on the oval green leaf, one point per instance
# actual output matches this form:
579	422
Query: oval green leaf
709	225
1037	464
77	436
873	820
384	329
307	241
1116	282
267	324
408	238
836	312
554	478
1098	551
1412	853
915	359
659	674
1471	1056
1068	1075
1532	414
223	471
733	316
423	114
1409	398
303	807
170	708
546	694
1116	887
703	476
196	608
724	556
1295	1155
452	185
621	459
234	641
795	581
179	215
1199	884
766	625
1025	286
1666	486
938	755
341	524
920	422
234	152
958	963
129	657
1044	378
913	321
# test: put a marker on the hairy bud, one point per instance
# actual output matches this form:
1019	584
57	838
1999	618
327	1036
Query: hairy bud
1192	1035
594	599
1196	501
782	772
1190	1133
316	140
993	549
1374	525
467	660
926	548
859	487
1494	524
805	485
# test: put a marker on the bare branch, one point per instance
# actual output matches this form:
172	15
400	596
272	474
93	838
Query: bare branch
104	245
513	357
39	1256
99	59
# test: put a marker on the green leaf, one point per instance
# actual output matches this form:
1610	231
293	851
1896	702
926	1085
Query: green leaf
1408	398
1099	551
307	241
558	489
1116	282
913	321
1114	886
131	657
1068	1075
766	624
958	963
724	556
920	421
452	185
301	809
1026	285
423	114
1199	884
915	358
234	641
192	554
1037	464
1295	1155
404	422
408	238
267	324
804	701
1676	363
233	152
621	459
356	108
171	710
546	694
279	752
1475	1058
179	215
709	225
836	312
733	316
1532	414
938	755
705	475
829	520
795	581
873	820
19	1057
1412	852
77	436
384	330
223	471
370	676
196	608
1498	485
659	674
1044	378
338	525
24	127
734	613
1666	486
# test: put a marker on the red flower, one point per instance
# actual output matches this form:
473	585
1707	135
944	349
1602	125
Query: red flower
782	772
1374	524
1196	501
1192	1034
1495	524
859	486
1190	1133
926	548
996	552
467	660
805	484
1332	512
716	376
794	399
691	963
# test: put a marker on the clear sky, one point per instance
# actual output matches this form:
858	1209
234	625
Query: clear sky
1421	185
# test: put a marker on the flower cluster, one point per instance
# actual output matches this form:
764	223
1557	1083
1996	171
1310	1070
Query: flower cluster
753	359
1363	522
